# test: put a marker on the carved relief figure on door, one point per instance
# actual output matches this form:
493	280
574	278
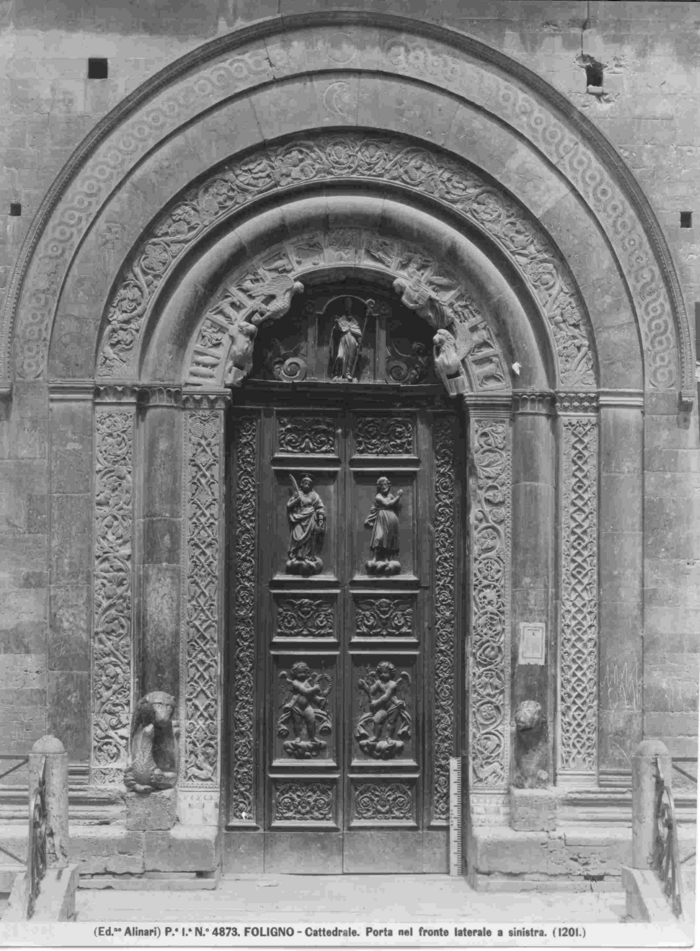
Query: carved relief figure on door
305	710
384	522
307	520
388	716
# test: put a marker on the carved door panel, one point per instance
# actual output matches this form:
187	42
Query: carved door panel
344	645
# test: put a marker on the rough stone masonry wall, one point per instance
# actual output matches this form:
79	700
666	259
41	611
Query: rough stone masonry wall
648	109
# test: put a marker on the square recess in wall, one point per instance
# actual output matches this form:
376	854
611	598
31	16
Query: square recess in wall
15	209
98	68
686	219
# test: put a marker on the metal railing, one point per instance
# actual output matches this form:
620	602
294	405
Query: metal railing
666	860
19	760
693	779
36	846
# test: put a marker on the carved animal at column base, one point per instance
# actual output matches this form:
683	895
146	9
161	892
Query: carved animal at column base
153	748
532	765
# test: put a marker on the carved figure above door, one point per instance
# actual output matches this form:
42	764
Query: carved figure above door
307	520
384	522
348	336
305	711
382	730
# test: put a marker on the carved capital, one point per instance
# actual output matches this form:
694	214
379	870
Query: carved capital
71	391
161	394
488	404
206	399
577	404
633	399
117	393
533	403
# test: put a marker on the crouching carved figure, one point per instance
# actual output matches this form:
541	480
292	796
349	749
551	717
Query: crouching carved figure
532	767
153	748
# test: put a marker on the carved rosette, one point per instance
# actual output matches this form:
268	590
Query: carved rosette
303	802
199	667
382	436
490	621
113	599
384	802
445	634
578	647
244	546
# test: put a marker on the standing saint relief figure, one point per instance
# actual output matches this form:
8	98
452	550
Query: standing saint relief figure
347	339
384	522
307	519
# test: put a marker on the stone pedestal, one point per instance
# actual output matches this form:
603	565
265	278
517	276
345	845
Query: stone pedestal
151	812
533	810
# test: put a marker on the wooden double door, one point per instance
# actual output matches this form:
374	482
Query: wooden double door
343	687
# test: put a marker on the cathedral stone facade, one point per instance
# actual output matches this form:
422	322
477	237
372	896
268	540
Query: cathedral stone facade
349	428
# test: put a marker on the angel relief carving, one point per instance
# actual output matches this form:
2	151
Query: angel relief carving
305	710
383	729
384	522
307	520
271	299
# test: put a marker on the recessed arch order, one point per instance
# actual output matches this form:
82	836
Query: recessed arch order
328	105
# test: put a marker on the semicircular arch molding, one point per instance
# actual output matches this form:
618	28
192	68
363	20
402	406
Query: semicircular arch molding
352	159
462	70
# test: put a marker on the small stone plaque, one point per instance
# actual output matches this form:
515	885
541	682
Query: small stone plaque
532	643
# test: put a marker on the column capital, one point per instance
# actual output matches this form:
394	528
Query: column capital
533	402
488	404
625	399
196	398
160	394
71	391
117	393
577	404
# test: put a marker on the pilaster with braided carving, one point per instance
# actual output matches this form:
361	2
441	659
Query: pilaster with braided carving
490	622
113	598
578	627
200	643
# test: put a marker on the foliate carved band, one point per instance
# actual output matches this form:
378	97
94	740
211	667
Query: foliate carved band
351	156
305	617
112	641
201	616
578	649
304	434
445	634
244	545
490	545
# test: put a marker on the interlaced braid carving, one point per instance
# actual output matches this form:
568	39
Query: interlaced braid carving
112	641
445	636
201	667
490	518
246	515
579	622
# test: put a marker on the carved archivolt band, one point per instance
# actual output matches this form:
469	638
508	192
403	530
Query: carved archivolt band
113	633
295	258
352	157
489	718
578	647
199	666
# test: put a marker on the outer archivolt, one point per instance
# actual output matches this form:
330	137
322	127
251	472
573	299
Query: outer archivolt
352	157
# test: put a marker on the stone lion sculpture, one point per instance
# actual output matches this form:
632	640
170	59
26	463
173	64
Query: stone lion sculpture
532	768
153	748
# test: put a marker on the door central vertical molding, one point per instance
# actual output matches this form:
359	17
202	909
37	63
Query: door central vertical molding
490	451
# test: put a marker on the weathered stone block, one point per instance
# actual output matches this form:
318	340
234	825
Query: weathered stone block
99	849
151	812
68	703
533	810
71	538
69	627
182	849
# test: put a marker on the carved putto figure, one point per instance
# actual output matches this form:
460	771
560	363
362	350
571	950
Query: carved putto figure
272	300
347	340
388	716
384	522
307	519
306	710
532	767
153	749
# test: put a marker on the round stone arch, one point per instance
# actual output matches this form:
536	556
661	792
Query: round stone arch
469	107
462	95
